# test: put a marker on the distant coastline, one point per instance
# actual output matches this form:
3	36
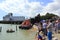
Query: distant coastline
11	22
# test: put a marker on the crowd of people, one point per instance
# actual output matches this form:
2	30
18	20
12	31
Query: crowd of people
46	28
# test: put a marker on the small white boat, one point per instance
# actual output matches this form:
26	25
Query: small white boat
10	31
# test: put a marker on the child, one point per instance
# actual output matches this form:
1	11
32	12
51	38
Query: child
40	35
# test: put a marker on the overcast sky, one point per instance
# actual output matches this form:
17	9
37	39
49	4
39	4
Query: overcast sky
29	8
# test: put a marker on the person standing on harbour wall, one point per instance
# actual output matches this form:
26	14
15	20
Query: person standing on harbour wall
49	29
44	25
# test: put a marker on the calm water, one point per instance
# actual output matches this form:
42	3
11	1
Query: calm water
17	35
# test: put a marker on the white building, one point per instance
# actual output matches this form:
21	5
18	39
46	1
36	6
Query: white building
18	18
10	17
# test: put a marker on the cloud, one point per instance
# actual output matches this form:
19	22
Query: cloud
30	9
53	7
23	7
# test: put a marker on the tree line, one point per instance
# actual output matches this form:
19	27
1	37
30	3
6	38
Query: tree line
38	18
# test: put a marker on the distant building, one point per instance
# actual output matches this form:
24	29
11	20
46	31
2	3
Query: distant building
10	17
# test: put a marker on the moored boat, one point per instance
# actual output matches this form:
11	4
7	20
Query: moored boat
25	25
10	31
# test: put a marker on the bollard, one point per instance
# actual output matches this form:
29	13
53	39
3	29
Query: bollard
16	28
0	29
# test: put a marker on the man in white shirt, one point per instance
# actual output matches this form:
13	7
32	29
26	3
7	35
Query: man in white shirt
44	24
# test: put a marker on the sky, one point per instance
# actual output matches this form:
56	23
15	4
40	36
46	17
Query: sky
29	8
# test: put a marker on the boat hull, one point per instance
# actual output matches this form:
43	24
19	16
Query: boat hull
25	27
10	31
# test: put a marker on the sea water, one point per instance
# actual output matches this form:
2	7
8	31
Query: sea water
17	35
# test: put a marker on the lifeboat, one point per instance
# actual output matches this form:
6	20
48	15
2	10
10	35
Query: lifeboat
25	25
